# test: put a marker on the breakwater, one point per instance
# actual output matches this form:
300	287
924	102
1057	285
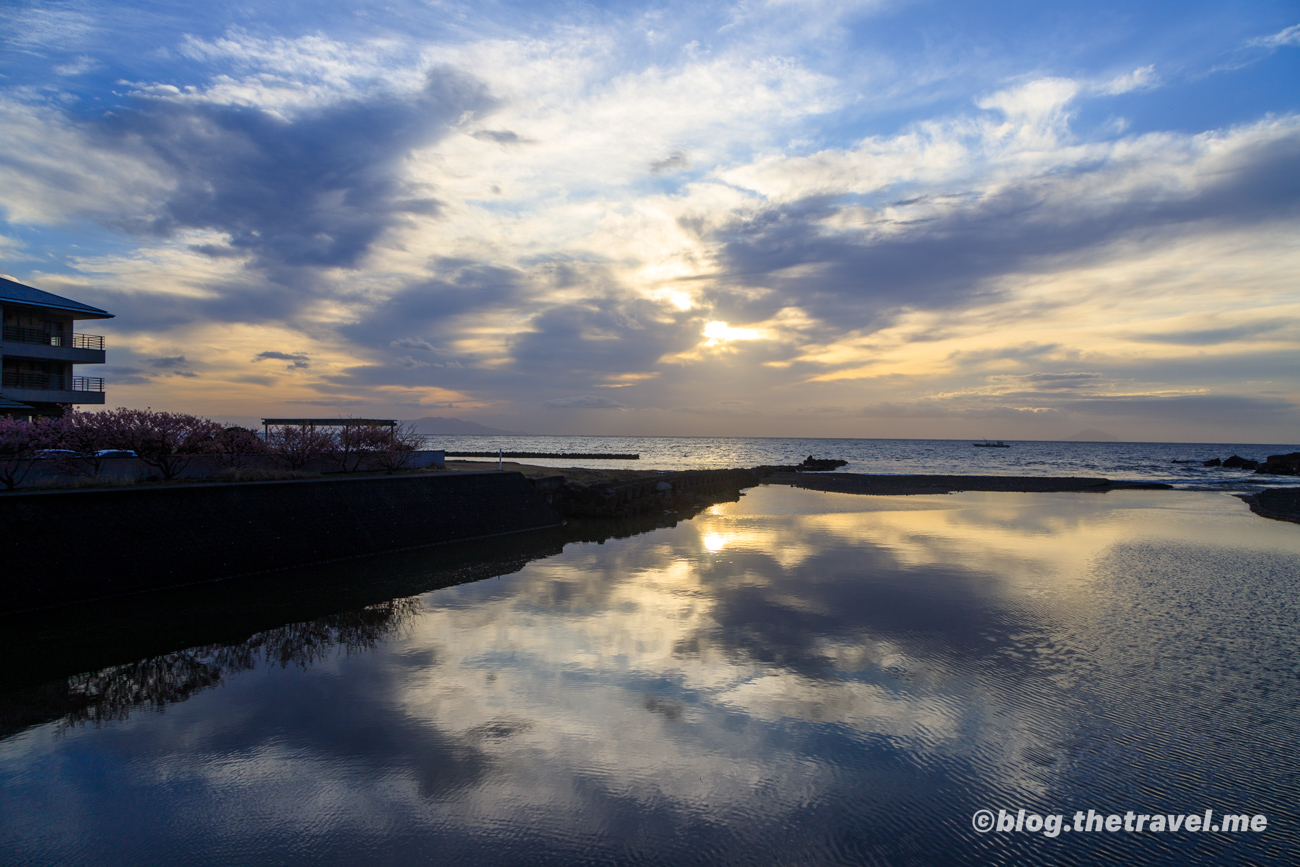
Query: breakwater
648	494
577	456
69	546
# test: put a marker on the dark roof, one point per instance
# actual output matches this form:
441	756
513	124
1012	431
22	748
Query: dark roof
6	403
20	294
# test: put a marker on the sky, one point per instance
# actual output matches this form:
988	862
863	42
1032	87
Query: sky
885	218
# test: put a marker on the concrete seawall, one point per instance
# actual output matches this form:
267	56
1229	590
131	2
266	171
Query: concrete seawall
69	546
50	472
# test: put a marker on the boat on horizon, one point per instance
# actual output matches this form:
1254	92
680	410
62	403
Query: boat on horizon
991	444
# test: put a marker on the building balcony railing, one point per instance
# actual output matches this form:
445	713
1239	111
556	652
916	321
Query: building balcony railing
51	381
41	337
87	383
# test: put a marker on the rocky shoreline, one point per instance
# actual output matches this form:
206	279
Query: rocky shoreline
1273	465
603	494
1281	504
607	494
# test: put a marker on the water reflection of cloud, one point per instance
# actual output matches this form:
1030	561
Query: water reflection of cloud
984	533
827	636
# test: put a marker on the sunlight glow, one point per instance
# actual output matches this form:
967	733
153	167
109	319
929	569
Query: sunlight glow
721	332
681	300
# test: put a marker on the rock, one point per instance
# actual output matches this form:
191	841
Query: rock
1281	465
1280	505
1213	462
1237	462
820	465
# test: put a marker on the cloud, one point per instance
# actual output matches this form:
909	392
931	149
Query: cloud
584	401
500	136
1217	336
317	188
286	196
296	360
177	363
406	362
890	225
55	168
1289	36
674	162
412	343
849	265
1052	381
725	408
1195	409
600	338
1033	103
1142	78
40	27
78	66
282	199
168	361
949	409
126	375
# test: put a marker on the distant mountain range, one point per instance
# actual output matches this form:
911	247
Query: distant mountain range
1092	435
434	425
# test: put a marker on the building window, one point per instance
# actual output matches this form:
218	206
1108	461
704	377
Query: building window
41	375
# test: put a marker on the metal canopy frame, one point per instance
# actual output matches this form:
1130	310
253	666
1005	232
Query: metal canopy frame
268	423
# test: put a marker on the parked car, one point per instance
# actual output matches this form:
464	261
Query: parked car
115	453
54	453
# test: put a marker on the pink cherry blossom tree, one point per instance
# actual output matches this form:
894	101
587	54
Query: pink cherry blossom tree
295	447
166	441
234	445
85	434
394	447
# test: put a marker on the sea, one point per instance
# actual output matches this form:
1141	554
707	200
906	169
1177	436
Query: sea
1177	464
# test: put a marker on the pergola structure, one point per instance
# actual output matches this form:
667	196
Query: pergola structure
268	423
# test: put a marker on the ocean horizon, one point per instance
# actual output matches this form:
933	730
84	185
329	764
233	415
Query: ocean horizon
1177	464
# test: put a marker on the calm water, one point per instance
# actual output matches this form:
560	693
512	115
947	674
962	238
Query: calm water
796	678
1152	462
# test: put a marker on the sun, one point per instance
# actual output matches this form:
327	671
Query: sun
721	332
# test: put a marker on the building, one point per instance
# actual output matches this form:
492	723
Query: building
38	349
